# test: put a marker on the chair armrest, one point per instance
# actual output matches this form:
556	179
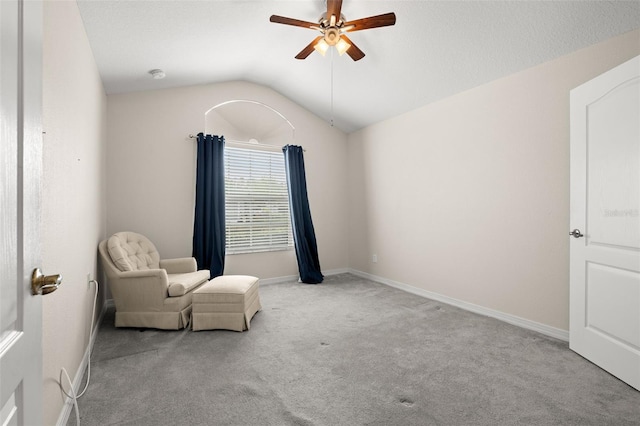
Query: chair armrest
143	273
180	265
143	290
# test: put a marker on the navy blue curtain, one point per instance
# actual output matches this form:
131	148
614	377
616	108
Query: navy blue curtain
209	226
304	236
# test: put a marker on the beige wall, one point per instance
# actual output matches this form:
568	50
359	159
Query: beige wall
73	193
151	173
469	197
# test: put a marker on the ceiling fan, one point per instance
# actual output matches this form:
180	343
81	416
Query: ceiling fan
333	26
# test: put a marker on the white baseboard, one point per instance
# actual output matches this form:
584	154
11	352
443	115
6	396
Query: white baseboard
508	318
277	280
77	380
336	271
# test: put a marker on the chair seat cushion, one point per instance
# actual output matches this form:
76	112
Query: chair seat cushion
180	284
226	289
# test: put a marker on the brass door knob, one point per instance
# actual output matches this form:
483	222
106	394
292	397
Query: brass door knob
44	284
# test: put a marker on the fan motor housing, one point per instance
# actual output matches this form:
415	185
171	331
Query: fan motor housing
332	35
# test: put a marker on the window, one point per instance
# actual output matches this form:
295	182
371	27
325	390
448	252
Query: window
256	200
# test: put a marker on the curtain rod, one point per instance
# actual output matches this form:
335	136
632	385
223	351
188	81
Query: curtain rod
262	145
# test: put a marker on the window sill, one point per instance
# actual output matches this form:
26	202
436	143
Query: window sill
265	250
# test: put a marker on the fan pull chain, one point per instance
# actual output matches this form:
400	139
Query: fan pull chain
331	120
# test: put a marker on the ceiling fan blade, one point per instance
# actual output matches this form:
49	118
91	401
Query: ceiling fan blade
383	20
290	21
353	51
333	8
308	50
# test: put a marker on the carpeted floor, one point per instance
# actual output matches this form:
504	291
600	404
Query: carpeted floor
349	352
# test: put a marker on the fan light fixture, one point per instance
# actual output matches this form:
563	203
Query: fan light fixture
341	46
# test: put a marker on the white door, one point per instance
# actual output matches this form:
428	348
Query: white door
605	213
20	165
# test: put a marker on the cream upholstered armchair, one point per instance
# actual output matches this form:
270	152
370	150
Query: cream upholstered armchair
147	291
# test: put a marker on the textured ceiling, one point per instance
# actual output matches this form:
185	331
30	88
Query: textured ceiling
435	50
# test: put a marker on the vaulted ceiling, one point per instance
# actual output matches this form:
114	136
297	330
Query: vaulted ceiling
435	50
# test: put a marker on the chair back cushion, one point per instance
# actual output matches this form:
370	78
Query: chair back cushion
132	252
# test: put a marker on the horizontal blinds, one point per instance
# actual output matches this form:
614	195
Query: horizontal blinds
256	201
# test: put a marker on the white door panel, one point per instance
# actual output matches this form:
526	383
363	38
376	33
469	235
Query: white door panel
605	206
612	296
20	165
613	161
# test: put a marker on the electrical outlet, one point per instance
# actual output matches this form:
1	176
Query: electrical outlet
374	258
89	278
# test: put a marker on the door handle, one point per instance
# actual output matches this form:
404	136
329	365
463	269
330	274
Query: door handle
576	233
44	284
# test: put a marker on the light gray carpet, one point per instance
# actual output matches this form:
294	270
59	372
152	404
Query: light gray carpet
349	352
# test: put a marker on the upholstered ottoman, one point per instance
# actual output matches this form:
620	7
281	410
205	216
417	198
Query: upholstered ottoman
226	302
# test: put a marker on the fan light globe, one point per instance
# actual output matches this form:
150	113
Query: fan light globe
321	46
342	46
